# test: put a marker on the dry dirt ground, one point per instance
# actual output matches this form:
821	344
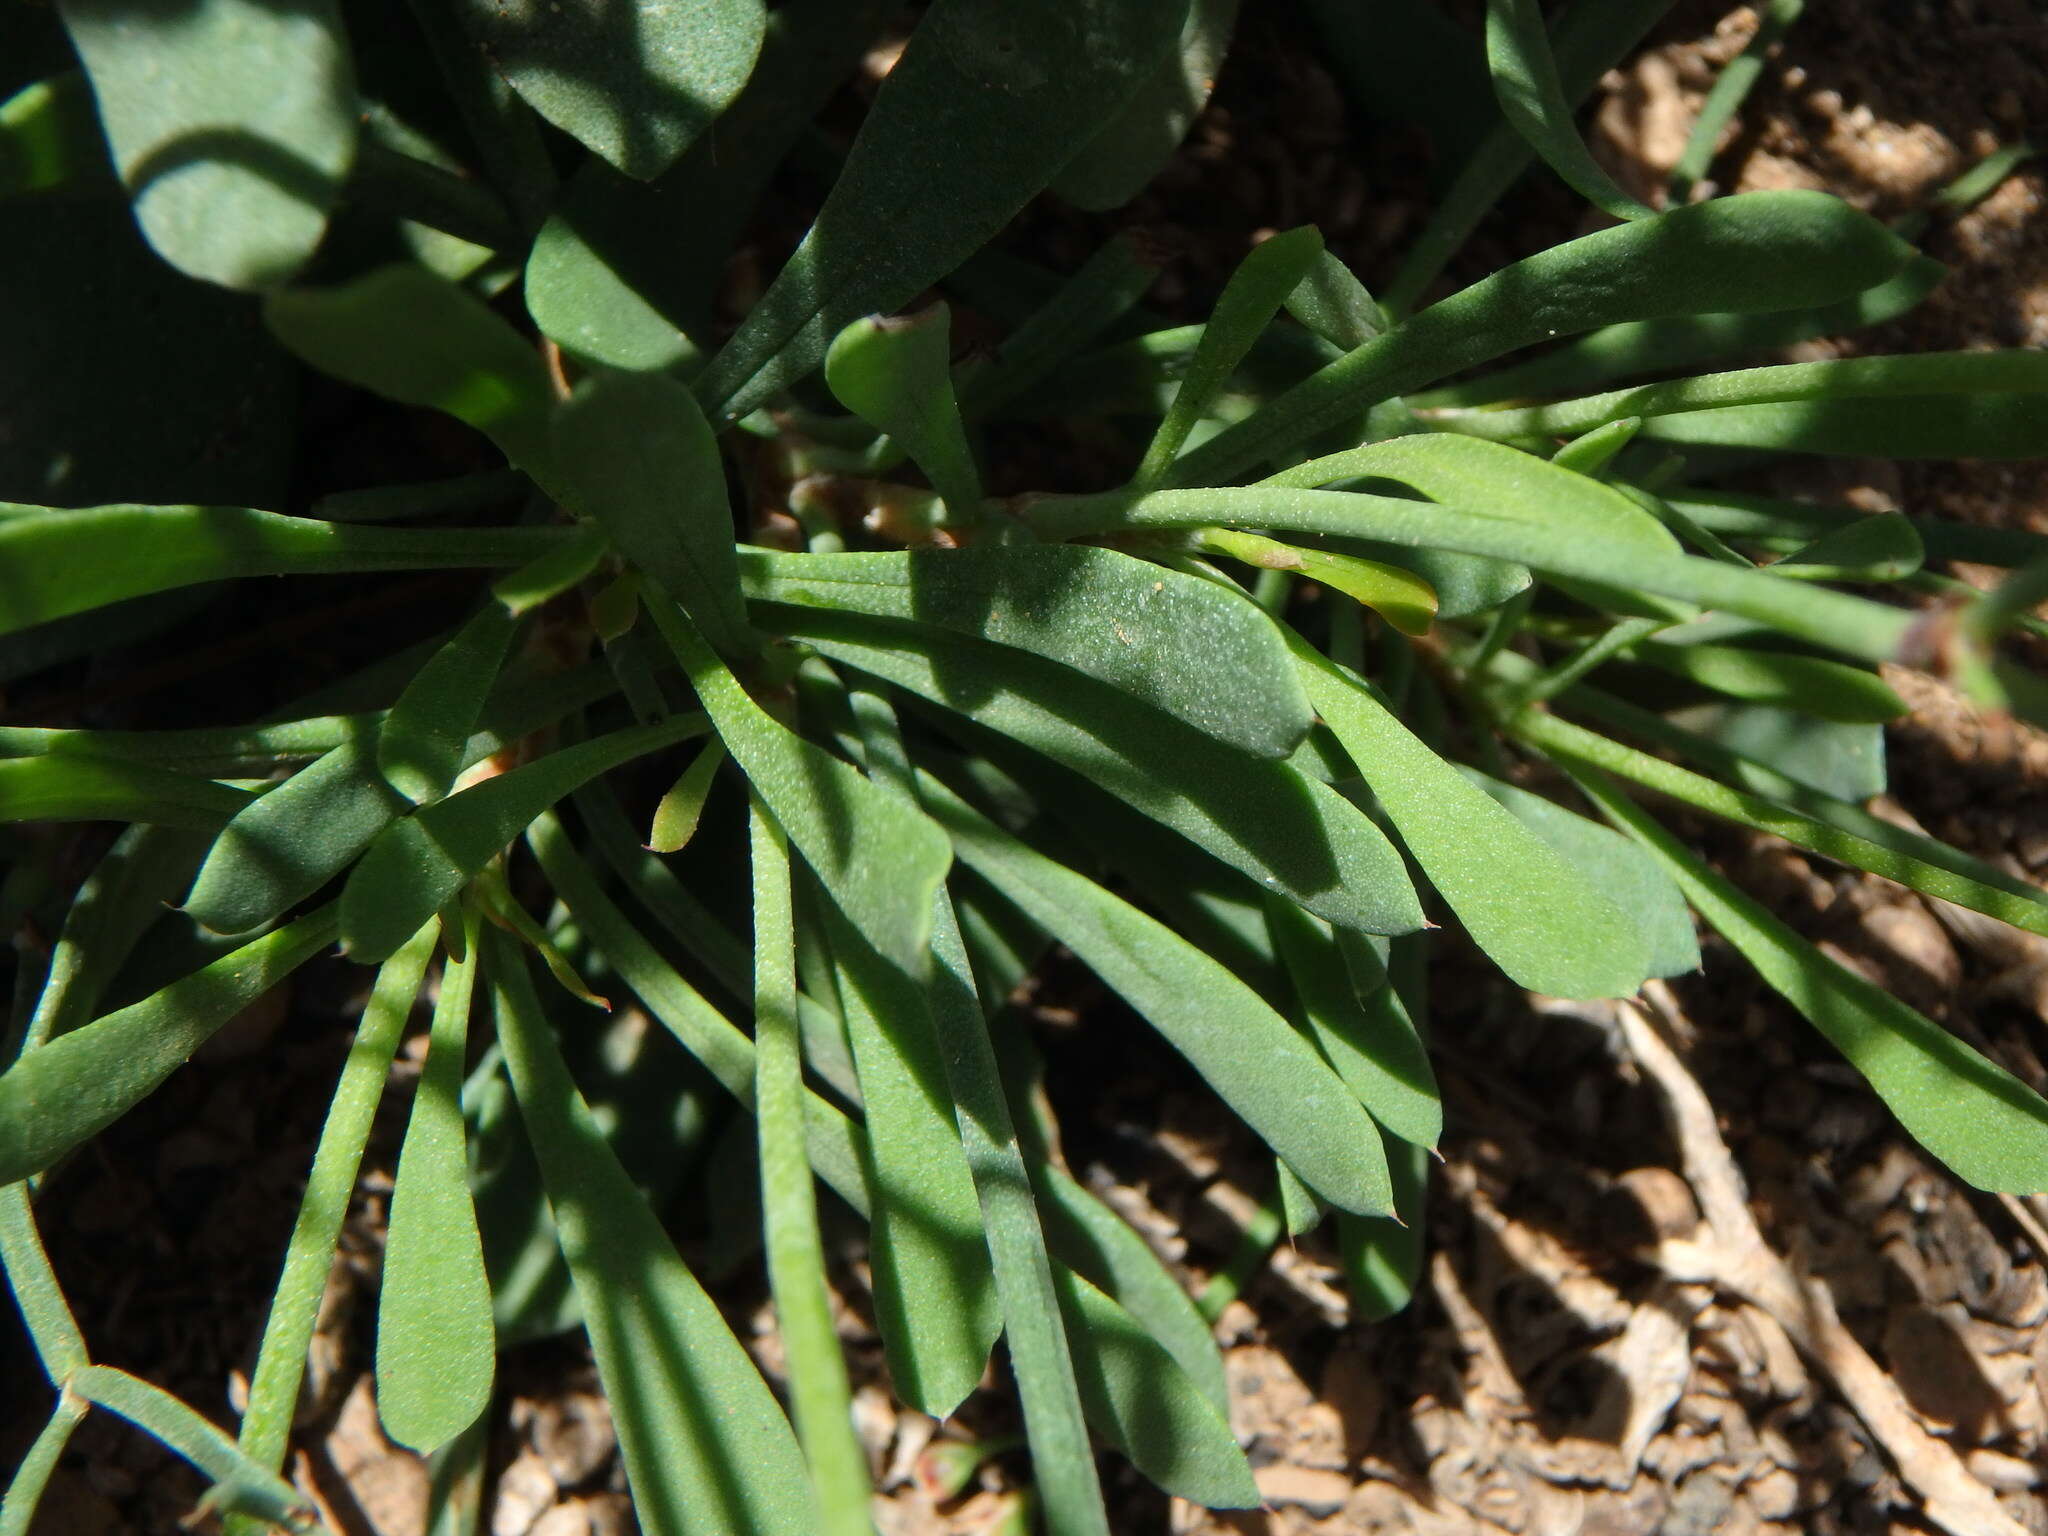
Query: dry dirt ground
1638	1314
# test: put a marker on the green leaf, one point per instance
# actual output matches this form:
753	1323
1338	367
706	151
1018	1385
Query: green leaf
54	1098
420	745
309	1255
436	1347
878	857
240	1486
1837	621
65	562
636	84
1332	302
416	338
1760	251
1140	1400
675	817
1178	643
588	308
1115	165
726	1053
1635	881
1253	296
50	138
1257	1063
73	787
1466	472
818	1388
1359	1025
634	454
415	865
1291	833
32	1472
1846	762
986	104
1986	1125
1532	98
1827	689
897	376
232	124
1536	915
1399	596
1737	76
706	1449
1883	548
1685	341
52	1329
935	1299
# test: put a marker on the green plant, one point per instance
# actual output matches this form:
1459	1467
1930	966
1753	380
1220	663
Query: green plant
1225	730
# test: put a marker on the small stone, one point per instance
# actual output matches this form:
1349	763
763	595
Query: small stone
1315	1490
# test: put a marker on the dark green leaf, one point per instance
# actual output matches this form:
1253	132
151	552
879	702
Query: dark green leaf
232	125
706	1448
1287	831
987	103
436	1347
419	339
1760	251
633	453
70	786
420	745
415	865
1829	690
1252	1057
80	1083
1535	914
50	137
1532	98
635	83
1116	164
1180	644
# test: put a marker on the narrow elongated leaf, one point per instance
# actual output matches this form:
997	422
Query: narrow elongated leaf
706	1449
1635	882
1359	1028
1251	1056
49	137
1141	1401
284	845
415	865
1100	292
1990	1128
436	1347
1289	832
818	1392
1846	762
1533	100
419	746
232	125
419	339
1836	621
240	1486
309	1256
80	1083
1760	251
1730	87
1814	686
1180	644
1466	472
72	787
633	453
1332	302
1116	164
1883	548
1253	296
880	858
935	1298
66	562
1399	596
987	103
230	753
1103	1249
725	1052
897	376
636	84
1537	916
32	1473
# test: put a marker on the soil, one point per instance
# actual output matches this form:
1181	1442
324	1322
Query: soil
1601	1343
